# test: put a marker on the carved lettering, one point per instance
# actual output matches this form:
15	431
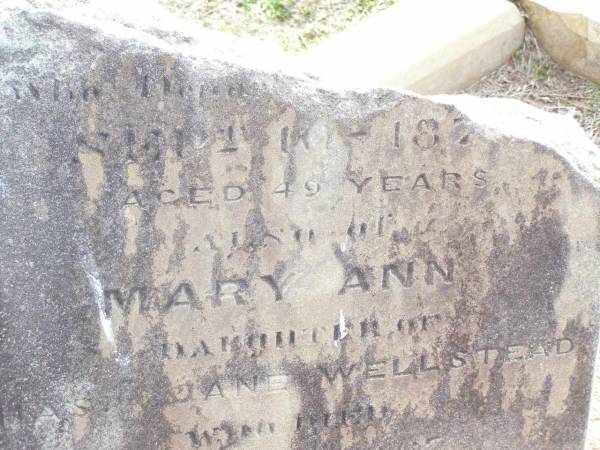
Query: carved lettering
124	299
355	278
183	295
232	193
405	277
199	195
433	267
233	290
426	136
360	185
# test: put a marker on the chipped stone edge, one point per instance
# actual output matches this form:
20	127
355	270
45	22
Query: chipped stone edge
506	117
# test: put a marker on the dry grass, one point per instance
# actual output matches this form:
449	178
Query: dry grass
531	76
293	24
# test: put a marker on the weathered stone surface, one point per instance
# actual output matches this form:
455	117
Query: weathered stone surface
570	32
196	253
426	46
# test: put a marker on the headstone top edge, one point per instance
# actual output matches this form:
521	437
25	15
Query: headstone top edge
494	117
159	30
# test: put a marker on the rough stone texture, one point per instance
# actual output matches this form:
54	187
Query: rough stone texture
408	46
199	253
570	33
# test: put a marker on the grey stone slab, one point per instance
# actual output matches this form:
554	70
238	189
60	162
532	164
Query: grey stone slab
197	251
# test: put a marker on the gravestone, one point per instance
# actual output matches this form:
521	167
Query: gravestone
197	252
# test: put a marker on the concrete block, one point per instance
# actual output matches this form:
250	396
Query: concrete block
427	46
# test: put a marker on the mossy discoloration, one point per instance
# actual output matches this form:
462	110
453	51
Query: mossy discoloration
260	262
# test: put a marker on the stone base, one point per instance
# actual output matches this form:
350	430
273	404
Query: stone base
426	46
